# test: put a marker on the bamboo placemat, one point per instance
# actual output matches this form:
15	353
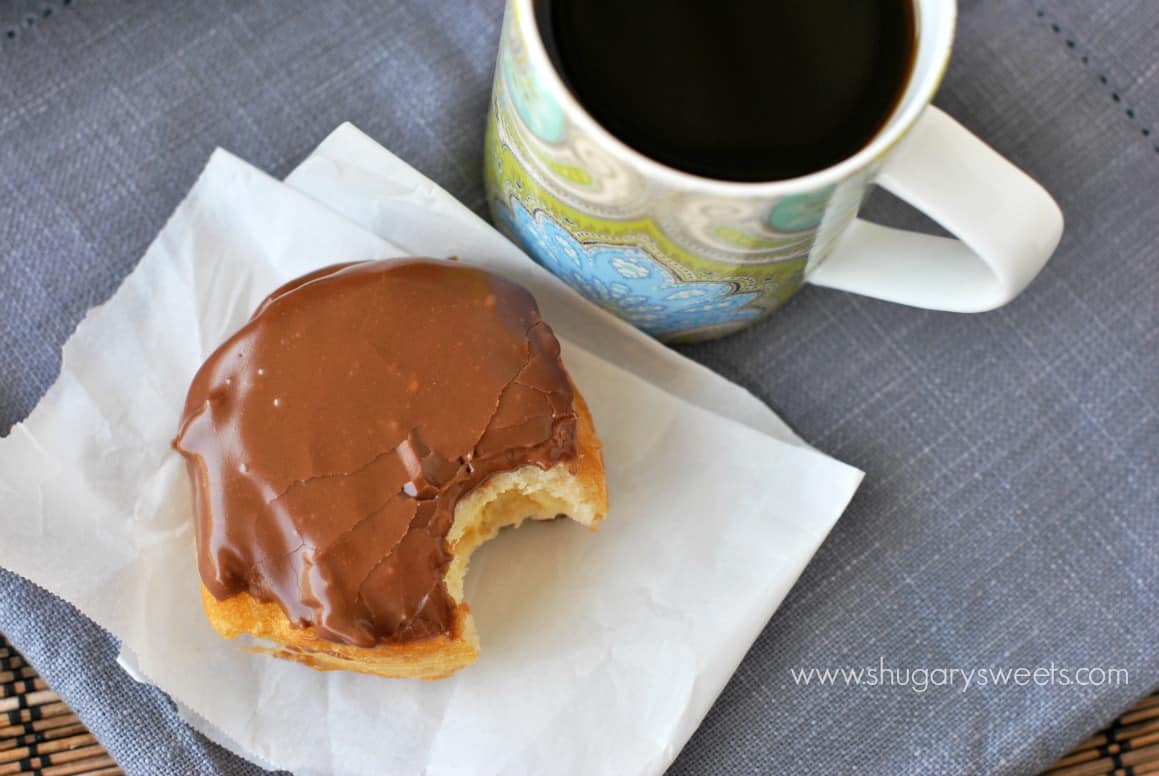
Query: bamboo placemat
1129	746
39	734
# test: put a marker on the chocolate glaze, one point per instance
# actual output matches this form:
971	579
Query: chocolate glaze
329	439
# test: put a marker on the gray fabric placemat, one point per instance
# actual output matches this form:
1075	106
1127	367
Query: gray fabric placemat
1010	513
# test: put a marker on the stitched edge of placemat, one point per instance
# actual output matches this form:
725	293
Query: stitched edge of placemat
18	18
1083	53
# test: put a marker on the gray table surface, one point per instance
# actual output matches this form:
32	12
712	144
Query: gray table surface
1010	513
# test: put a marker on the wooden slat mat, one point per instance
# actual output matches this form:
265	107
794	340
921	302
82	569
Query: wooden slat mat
40	734
1129	746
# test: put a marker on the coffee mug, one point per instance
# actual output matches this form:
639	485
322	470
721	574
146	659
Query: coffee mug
688	258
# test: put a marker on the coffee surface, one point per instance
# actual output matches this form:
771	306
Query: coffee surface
741	90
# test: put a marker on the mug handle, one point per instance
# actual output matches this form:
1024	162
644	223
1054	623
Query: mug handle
1007	227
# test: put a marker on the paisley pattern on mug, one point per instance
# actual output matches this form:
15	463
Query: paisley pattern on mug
625	279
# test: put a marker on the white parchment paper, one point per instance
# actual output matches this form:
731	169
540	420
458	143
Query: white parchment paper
601	652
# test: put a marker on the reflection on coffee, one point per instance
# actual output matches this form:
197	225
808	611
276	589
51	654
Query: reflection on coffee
742	90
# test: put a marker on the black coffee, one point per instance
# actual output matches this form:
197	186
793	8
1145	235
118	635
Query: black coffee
743	90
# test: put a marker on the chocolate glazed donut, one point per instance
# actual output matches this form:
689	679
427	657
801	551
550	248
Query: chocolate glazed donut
330	439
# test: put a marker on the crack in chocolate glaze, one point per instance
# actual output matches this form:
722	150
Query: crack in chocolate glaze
499	398
332	475
330	439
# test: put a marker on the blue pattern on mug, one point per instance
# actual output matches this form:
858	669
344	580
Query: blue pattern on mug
625	279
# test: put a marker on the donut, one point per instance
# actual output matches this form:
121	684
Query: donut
354	442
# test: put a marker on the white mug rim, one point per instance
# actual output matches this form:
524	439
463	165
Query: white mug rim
919	93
